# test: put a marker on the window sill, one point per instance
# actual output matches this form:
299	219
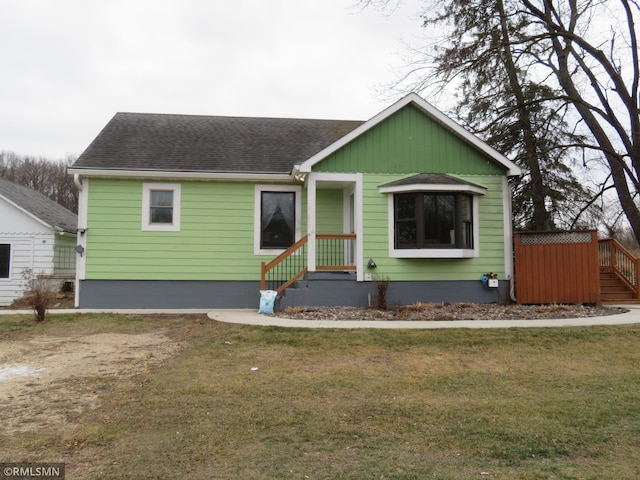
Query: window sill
160	228
434	253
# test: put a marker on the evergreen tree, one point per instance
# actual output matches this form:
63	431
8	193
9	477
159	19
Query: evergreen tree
499	99
553	84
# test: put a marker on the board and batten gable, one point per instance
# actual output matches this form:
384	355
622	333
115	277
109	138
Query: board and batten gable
408	143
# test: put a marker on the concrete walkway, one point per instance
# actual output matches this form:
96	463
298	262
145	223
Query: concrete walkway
140	311
252	317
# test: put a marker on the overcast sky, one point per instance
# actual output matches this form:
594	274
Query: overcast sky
69	65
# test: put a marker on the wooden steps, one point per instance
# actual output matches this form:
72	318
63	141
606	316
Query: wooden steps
614	290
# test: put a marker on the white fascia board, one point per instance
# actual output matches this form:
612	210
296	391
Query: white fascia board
419	187
162	174
433	112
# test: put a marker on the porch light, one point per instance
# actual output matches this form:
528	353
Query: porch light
371	264
300	177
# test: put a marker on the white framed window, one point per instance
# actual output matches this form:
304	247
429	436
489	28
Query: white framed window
5	260
277	218
433	225
424	220
161	207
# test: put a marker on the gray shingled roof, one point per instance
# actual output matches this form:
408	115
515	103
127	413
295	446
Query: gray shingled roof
430	179
191	143
40	206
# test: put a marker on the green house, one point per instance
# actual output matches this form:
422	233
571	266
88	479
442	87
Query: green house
181	211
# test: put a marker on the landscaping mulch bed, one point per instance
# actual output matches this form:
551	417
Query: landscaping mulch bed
455	311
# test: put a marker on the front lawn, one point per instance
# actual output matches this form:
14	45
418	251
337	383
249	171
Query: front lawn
242	402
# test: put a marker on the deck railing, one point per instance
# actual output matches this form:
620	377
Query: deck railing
615	258
333	252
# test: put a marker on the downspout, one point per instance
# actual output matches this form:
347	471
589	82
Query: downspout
80	236
77	182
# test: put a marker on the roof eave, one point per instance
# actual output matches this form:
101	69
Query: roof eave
421	187
181	175
64	230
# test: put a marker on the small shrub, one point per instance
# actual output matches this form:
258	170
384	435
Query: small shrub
382	287
39	293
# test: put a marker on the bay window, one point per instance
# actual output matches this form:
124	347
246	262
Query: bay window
433	216
433	220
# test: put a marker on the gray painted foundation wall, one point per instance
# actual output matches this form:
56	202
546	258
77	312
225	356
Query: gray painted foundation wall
124	294
325	289
340	290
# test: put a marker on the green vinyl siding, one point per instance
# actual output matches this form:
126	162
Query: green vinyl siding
409	141
329	216
215	241
329	212
491	228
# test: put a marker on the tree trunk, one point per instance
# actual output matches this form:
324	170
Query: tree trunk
541	217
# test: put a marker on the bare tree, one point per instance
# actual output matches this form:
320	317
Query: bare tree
43	175
539	69
600	77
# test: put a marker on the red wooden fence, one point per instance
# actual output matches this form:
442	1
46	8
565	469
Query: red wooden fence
557	267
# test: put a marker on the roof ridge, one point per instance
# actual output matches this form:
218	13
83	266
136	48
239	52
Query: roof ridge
243	117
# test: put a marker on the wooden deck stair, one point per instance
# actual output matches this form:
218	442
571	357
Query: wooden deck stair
619	272
614	290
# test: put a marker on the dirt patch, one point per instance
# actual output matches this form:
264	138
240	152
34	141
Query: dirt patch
46	381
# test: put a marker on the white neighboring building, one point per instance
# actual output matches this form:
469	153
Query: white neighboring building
35	233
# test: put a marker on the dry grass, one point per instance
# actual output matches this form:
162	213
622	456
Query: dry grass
335	404
554	307
418	307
